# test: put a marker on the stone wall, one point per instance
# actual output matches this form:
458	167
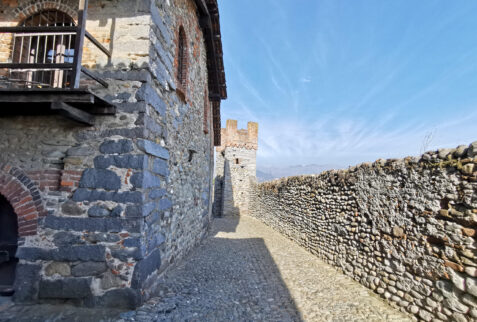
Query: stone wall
131	194
404	228
235	164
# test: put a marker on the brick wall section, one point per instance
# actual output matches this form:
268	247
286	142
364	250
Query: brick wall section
404	228
70	180
24	196
47	180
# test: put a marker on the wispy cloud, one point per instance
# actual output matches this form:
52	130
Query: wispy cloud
334	82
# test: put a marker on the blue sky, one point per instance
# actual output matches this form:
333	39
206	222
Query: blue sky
344	82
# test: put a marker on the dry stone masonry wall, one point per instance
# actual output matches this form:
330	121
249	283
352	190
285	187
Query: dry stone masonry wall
404	228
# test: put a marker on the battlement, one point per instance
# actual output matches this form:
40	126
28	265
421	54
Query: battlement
239	138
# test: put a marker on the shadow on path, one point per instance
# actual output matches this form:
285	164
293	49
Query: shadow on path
244	271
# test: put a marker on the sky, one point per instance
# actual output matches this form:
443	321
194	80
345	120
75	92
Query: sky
344	82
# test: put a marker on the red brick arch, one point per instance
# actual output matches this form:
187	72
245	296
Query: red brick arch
27	8
24	196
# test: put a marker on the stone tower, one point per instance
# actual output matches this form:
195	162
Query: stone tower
235	167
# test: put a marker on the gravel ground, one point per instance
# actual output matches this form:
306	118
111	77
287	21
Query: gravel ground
244	271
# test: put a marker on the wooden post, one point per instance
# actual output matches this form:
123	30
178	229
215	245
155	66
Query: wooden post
79	41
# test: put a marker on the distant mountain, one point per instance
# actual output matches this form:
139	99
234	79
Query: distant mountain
271	173
263	176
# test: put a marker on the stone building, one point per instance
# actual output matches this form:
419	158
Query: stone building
235	168
109	114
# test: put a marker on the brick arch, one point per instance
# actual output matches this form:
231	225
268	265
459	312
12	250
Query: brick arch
27	8
24	196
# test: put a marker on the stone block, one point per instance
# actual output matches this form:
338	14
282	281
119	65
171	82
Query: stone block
101	238
100	178
161	167
110	280
116	147
144	268
162	55
153	149
68	288
148	94
139	211
165	204
132	242
82	194
116	212
26	283
64	238
137	107
153	217
158	21
124	254
59	268
117	298
132	133
71	208
140	75
98	211
151	125
157	193
63	254
145	180
93	224
88	269
155	240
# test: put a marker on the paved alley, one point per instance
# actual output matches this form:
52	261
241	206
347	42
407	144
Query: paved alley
244	271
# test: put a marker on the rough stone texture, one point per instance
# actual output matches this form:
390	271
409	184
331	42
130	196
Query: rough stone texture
68	288
235	165
244	271
143	174
88	269
403	228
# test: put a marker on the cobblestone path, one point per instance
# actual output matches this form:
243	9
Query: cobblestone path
245	271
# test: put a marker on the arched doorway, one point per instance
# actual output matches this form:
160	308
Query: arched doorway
8	246
45	48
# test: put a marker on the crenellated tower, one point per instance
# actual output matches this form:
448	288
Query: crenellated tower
235	167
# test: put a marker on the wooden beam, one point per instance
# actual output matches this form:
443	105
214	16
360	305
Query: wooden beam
102	110
73	113
92	75
79	42
42	29
34	66
29	97
98	44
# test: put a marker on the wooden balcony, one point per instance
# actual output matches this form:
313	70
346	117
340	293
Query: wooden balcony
45	67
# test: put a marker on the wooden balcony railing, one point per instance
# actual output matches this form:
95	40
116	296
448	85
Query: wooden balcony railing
49	56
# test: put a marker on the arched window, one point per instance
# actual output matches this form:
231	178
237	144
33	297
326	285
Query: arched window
182	59
44	48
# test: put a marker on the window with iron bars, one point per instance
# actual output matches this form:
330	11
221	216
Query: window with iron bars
43	48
